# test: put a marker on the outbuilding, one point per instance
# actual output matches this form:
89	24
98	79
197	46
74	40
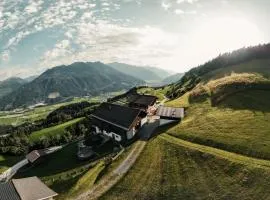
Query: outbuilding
141	101
170	113
31	188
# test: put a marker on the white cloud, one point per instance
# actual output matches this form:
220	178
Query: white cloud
69	34
186	1
61	49
105	4
179	12
165	5
16	71
5	57
182	12
33	6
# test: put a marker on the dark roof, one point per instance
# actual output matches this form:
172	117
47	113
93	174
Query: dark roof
117	115
145	100
34	155
32	188
170	112
8	192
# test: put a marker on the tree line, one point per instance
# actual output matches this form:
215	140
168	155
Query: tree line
193	77
18	143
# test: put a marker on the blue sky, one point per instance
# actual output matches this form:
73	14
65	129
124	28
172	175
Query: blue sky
171	34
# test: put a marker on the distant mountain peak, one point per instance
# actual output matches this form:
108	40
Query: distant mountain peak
145	73
77	79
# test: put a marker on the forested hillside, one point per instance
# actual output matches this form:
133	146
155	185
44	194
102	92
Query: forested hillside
78	79
250	60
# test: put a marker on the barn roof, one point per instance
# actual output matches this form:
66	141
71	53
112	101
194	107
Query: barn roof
170	112
8	191
32	188
34	155
116	115
145	100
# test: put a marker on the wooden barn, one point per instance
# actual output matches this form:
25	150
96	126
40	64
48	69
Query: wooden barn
141	101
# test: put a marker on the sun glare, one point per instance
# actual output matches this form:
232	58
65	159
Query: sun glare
213	37
226	34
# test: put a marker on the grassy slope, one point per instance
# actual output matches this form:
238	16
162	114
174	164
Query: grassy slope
167	170
59	129
240	123
261	66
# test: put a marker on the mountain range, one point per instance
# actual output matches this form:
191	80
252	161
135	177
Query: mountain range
77	79
148	74
11	84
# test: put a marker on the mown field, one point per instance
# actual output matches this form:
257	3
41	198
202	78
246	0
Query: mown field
52	131
167	170
241	123
151	91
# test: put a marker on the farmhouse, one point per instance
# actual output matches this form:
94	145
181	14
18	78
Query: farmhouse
118	122
31	188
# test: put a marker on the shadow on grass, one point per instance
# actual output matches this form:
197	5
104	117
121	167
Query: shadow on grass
157	130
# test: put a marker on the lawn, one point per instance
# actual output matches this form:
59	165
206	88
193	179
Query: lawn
64	173
239	124
167	170
59	129
8	161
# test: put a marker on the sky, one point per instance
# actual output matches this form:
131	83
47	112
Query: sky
176	35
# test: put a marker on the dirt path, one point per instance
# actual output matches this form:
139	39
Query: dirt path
111	179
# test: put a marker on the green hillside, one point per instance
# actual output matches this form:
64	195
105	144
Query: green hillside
171	170
239	124
55	130
246	60
9	85
221	149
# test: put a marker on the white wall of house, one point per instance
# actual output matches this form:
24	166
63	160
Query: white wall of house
131	133
144	121
110	134
97	129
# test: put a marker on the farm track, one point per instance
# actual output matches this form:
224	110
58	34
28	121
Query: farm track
234	157
111	179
